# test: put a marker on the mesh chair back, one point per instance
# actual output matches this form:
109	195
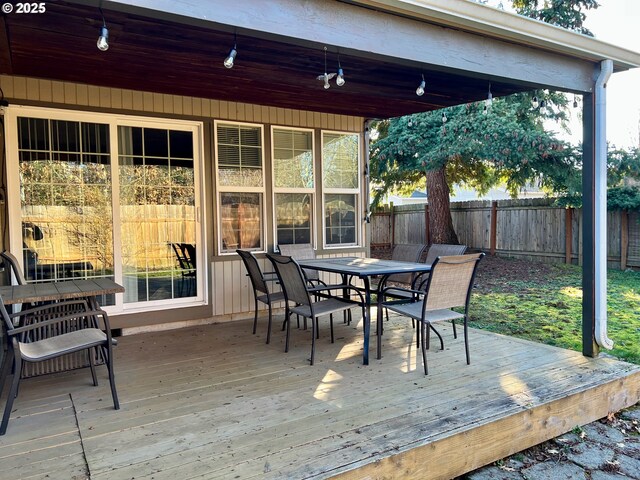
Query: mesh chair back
443	250
451	280
291	279
12	261
301	251
408	252
255	274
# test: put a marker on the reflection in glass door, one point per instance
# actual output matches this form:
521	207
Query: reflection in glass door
157	213
65	200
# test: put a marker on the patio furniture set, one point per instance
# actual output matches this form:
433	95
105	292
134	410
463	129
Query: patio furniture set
428	292
54	319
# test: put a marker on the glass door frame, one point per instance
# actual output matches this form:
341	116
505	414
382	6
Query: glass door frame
14	208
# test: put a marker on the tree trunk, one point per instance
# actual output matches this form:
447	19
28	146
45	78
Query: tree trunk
440	223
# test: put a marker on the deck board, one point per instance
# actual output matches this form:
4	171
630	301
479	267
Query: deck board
215	401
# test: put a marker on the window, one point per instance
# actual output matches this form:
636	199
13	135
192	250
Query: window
240	186
341	188
107	196
293	185
157	212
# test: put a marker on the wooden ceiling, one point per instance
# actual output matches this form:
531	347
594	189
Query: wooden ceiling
172	58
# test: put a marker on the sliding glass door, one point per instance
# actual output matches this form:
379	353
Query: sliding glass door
107	196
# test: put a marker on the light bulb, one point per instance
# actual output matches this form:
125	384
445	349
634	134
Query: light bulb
103	39
340	78
228	62
485	110
534	102
326	85
489	101
444	117
420	89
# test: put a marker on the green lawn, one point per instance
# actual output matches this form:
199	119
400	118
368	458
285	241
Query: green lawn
543	302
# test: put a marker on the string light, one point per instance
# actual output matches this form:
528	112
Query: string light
420	89
103	39
228	62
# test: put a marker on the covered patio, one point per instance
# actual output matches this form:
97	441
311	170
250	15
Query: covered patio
211	400
214	401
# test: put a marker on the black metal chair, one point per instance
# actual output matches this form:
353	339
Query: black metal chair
448	286
51	331
261	291
10	260
298	292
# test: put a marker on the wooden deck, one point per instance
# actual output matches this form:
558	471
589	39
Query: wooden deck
216	402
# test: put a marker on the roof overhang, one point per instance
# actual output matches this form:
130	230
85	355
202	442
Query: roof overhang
385	46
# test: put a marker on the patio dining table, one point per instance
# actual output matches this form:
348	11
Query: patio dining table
365	269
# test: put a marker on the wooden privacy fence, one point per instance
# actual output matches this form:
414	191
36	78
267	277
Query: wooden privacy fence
531	229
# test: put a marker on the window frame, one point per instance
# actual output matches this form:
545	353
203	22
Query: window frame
357	191
232	189
113	121
312	191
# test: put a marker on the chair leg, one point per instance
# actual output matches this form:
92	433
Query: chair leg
314	327
331	324
13	392
287	320
92	366
6	367
255	316
431	327
455	333
425	335
269	324
466	340
108	351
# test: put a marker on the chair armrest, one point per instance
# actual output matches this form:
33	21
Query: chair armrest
60	319
270	276
82	306
328	288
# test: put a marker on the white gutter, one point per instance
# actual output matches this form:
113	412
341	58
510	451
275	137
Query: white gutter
606	69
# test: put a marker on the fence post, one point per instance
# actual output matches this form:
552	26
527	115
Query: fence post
568	235
494	226
427	233
624	239
392	224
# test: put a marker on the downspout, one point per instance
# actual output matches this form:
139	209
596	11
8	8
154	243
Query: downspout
367	186
601	338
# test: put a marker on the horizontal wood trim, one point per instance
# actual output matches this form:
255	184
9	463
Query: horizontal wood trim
56	94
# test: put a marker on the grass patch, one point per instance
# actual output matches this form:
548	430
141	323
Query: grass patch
543	303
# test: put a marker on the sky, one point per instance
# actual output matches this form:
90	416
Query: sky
616	22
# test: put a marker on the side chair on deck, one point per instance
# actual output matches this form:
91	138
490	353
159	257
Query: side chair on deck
302	251
261	291
448	286
51	331
298	296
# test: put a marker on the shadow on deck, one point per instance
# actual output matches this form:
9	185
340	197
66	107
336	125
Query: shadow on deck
217	402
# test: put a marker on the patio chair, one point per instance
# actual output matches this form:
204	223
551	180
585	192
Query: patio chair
10	260
448	286
298	292
261	291
302	251
51	331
